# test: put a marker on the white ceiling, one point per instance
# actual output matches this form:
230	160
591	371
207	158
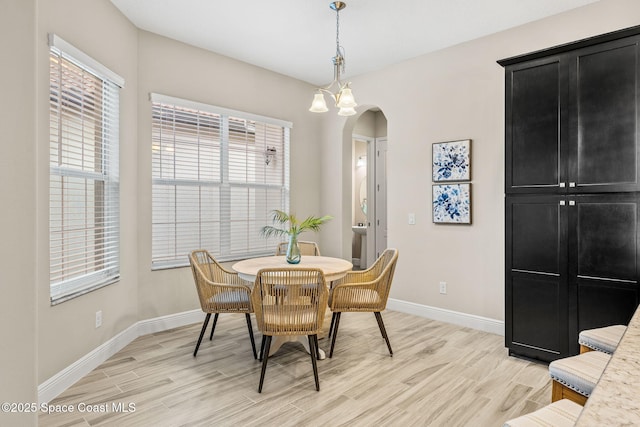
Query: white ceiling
297	37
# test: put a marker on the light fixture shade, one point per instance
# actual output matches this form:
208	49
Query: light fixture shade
344	111
346	99
318	105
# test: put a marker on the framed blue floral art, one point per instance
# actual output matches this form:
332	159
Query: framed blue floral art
452	203
451	161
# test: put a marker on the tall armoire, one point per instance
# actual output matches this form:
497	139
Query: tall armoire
572	192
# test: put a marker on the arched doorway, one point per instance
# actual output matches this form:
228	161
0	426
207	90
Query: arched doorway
367	139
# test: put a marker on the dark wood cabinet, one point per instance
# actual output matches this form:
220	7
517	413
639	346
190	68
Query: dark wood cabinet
535	99
572	120
572	191
603	117
604	260
537	297
572	264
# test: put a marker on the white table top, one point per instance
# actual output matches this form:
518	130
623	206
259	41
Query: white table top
333	268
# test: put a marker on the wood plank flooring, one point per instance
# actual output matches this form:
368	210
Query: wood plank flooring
440	375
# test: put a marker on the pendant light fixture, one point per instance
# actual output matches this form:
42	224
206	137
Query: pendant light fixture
340	92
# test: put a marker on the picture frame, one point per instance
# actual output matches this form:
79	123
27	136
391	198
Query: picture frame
451	203
451	161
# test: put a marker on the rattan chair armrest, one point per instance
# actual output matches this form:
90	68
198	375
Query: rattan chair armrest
355	277
244	285
367	284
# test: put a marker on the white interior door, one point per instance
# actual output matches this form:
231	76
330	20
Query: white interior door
377	240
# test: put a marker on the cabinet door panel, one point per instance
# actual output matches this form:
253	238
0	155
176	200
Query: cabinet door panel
603	304
538	316
535	242
536	277
604	260
533	126
604	119
606	232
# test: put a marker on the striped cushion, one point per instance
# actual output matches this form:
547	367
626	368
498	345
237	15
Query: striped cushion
602	339
580	373
562	413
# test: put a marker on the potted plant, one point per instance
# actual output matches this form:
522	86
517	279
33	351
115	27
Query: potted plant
290	226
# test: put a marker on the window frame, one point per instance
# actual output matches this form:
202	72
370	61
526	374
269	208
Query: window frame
100	196
222	182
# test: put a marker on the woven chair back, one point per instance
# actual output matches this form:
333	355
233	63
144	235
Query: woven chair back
385	268
367	290
290	301
219	290
306	248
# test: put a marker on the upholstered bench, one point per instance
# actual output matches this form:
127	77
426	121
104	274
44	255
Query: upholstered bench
601	339
575	377
562	413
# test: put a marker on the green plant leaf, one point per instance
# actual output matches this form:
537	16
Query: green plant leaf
311	223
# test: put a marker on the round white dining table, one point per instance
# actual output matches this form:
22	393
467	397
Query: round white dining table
332	268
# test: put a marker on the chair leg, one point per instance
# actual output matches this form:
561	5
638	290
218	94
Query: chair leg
333	320
264	340
264	362
253	343
204	328
383	331
335	333
313	350
317	347
213	328
560	391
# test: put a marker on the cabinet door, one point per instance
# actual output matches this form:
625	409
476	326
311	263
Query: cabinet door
604	261
536	323
603	129
535	130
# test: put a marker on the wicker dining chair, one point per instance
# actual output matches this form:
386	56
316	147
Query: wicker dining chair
289	302
306	248
219	291
363	291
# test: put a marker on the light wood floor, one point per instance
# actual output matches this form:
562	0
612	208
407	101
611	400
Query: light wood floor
440	375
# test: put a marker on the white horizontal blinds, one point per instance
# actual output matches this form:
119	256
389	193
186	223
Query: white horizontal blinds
84	187
212	186
256	182
186	162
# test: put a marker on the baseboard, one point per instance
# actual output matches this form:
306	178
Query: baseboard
164	323
457	318
57	384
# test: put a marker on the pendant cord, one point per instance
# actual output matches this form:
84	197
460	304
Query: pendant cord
339	58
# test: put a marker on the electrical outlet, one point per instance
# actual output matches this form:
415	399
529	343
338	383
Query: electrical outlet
412	219
98	318
443	288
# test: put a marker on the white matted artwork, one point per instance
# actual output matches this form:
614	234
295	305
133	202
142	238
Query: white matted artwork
451	161
451	203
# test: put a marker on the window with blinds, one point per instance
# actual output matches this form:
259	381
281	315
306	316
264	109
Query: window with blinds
217	176
83	173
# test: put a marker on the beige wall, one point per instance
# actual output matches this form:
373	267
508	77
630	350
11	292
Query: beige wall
172	68
452	94
17	191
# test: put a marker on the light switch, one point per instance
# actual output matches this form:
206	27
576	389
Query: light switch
412	219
